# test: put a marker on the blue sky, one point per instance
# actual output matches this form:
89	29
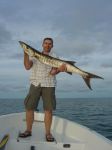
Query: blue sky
82	31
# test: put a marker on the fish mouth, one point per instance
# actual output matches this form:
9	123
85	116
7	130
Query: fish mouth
26	49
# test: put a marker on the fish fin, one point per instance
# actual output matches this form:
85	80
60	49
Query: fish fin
87	81
69	73
88	77
71	62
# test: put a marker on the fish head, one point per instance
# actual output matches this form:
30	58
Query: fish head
27	49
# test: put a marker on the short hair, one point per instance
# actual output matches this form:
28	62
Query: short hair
48	38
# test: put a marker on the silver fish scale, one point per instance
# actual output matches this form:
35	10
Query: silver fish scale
49	61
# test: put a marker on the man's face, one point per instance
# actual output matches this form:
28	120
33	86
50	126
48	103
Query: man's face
47	45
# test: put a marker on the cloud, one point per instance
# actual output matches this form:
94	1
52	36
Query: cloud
106	62
107	65
82	16
5	35
12	88
17	56
77	31
81	31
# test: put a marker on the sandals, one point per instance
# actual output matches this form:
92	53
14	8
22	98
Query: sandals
49	138
25	134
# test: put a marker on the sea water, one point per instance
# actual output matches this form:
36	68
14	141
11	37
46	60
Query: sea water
95	113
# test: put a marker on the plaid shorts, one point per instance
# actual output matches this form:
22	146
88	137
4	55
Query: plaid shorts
35	92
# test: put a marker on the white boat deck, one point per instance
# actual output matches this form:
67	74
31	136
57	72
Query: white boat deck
38	139
68	135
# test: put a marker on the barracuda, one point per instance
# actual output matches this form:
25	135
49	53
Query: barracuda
55	62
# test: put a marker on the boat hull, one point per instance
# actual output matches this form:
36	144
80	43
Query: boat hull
68	134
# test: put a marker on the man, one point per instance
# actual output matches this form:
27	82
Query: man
42	84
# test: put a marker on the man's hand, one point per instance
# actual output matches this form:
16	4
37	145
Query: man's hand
27	62
62	68
55	71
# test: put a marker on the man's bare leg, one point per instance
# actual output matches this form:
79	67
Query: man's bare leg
29	123
48	121
29	119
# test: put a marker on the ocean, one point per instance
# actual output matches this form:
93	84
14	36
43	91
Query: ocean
94	113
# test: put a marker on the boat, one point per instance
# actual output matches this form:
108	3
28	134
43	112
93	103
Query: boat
68	135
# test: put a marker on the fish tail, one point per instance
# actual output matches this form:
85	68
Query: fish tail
88	77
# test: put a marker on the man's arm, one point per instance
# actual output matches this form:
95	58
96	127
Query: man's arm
27	62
